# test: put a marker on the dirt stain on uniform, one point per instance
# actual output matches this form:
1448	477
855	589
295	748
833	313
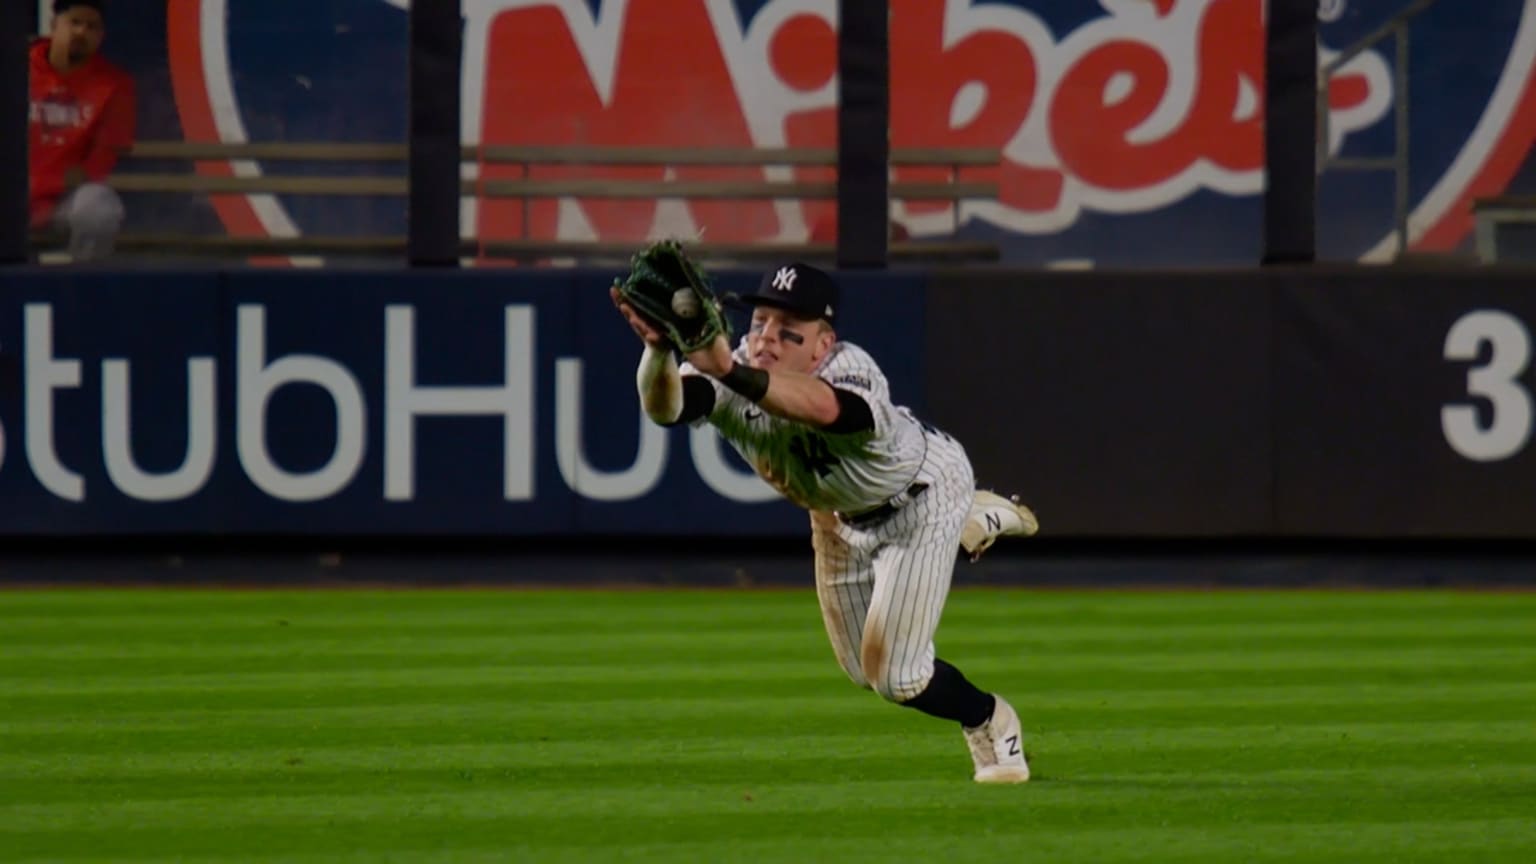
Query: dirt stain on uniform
873	654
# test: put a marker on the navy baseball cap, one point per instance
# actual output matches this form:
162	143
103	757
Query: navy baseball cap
798	288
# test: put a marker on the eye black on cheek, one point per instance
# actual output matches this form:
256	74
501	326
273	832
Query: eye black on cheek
792	337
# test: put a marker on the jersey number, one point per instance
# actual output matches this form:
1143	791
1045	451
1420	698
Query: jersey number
813	454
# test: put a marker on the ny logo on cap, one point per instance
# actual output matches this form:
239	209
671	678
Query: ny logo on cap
784	280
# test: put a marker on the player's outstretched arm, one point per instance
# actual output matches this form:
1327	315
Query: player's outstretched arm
657	379
669	397
660	385
804	398
791	395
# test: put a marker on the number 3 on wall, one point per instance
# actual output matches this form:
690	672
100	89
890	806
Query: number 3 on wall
1510	425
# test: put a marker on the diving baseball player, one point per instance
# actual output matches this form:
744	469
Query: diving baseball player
891	499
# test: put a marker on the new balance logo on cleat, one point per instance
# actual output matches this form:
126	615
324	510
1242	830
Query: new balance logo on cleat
993	516
995	747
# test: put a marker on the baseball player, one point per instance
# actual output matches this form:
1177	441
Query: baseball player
891	498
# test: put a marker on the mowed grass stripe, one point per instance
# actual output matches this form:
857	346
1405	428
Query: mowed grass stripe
764	697
198	670
562	815
1449	699
577	766
839	718
1311	654
969	592
601	610
1426	698
152	653
1350	693
521	738
490	614
516	626
1362	842
447	624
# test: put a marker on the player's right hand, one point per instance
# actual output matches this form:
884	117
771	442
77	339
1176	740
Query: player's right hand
648	334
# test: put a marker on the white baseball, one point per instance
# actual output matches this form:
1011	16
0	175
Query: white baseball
685	303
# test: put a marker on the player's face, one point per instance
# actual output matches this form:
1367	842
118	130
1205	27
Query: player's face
79	30
779	340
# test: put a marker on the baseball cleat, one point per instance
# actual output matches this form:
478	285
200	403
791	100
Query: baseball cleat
997	747
993	516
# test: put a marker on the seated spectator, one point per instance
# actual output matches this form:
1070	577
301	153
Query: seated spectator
81	118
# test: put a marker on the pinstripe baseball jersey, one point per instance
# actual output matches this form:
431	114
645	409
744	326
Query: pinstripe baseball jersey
846	473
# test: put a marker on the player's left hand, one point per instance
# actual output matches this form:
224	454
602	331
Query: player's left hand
648	334
714	359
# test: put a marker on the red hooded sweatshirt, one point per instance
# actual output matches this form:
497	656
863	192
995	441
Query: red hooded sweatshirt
81	119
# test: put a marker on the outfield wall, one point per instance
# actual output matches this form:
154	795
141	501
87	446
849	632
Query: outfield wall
1322	403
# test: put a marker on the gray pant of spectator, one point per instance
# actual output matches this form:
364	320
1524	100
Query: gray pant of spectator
92	214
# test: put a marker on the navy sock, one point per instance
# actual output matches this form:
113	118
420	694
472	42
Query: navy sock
951	696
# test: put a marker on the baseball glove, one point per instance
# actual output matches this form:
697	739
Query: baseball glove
674	296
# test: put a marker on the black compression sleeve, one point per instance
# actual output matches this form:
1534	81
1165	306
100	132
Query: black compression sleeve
698	399
853	414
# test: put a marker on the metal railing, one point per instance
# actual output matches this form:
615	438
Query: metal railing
1395	28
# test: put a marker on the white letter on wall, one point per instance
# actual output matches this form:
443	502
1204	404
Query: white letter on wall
632	482
44	375
257	381
404	401
117	437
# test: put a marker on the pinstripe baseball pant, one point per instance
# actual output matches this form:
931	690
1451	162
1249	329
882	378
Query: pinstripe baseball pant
882	588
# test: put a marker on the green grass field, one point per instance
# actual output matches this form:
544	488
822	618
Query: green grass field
712	726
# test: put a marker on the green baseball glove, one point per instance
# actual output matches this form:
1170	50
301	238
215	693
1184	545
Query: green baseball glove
672	294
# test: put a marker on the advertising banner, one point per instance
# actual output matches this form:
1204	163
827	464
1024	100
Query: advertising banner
1346	402
368	403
